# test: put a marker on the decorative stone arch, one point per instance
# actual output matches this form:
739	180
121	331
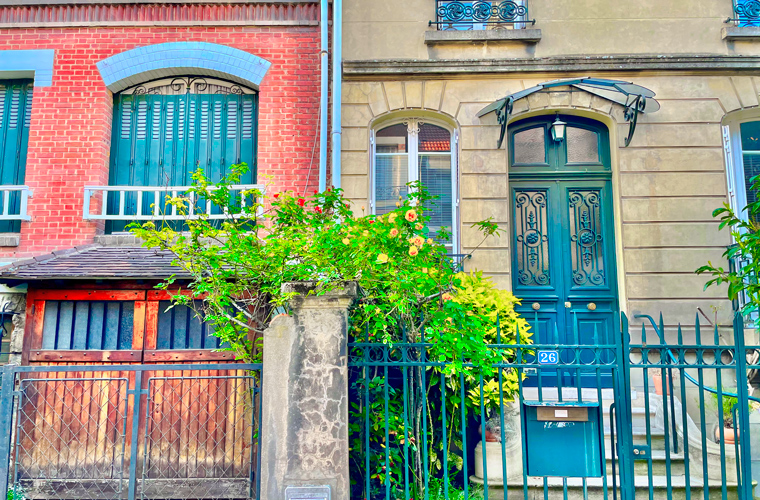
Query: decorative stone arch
399	115
152	62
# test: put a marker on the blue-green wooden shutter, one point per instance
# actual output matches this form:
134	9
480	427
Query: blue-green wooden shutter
15	117
160	140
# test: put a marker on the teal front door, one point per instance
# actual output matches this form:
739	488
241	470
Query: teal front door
166	130
563	256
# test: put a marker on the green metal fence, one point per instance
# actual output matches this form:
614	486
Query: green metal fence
644	417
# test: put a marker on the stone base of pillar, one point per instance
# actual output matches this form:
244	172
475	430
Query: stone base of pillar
304	428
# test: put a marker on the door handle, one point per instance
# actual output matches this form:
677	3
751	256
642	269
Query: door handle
568	305
536	306
591	306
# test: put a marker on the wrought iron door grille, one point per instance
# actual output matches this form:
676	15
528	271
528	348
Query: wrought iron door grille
482	15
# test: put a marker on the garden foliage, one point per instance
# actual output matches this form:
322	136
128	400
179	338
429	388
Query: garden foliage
410	291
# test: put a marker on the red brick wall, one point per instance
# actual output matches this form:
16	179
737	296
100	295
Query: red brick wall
70	133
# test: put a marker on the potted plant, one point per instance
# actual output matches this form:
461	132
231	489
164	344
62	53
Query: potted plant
725	406
493	437
657	380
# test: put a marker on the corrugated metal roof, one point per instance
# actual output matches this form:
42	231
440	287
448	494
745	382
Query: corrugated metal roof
96	262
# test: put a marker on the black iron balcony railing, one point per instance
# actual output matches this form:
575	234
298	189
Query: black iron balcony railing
746	13
482	15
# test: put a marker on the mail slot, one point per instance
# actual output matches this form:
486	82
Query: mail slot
570	430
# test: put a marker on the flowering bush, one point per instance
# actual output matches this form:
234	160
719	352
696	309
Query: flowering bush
410	290
405	278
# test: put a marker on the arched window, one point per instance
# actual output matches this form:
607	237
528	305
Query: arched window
417	151
165	130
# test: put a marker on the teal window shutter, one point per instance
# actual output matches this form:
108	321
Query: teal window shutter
164	132
15	118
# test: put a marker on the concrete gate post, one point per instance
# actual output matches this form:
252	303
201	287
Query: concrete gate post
304	428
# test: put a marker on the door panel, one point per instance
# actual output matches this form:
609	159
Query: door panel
564	264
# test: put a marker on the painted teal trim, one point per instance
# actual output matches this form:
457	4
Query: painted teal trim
162	60
37	64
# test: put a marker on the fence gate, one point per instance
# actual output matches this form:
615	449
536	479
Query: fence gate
648	413
130	431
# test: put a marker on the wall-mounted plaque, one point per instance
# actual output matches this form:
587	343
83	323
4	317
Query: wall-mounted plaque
307	493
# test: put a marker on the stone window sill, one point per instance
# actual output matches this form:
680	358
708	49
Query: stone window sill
530	35
741	33
10	240
118	240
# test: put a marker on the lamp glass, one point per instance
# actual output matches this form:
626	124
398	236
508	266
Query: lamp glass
558	130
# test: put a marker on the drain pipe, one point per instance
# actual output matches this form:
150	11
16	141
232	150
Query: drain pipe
323	92
336	90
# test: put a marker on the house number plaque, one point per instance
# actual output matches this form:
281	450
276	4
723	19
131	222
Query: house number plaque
307	493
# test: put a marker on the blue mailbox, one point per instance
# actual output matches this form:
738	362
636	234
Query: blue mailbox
563	439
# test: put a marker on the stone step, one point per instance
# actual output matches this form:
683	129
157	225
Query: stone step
595	489
640	437
659	465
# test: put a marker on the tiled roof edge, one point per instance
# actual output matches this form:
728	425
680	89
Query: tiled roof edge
67	252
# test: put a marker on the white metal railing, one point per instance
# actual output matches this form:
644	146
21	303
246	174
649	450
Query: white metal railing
158	208
6	194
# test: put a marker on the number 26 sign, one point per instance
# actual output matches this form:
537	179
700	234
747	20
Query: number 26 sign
548	357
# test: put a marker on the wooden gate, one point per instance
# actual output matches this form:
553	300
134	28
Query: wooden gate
192	438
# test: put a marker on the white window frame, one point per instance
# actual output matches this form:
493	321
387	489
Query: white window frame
734	159
412	127
735	181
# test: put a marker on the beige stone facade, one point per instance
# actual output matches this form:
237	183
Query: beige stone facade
395	29
666	183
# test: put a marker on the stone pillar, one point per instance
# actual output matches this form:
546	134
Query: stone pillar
14	301
304	428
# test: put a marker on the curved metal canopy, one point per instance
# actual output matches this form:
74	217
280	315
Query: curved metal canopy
635	98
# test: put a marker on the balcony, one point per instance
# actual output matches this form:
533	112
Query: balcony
482	21
744	23
123	204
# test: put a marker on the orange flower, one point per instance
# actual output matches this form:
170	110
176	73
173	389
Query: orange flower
418	226
393	232
382	258
392	217
413	250
447	296
417	241
346	241
411	215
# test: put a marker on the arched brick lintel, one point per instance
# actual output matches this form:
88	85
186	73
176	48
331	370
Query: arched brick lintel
162	60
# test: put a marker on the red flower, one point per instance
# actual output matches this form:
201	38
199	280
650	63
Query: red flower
301	201
372	222
277	195
316	191
318	210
